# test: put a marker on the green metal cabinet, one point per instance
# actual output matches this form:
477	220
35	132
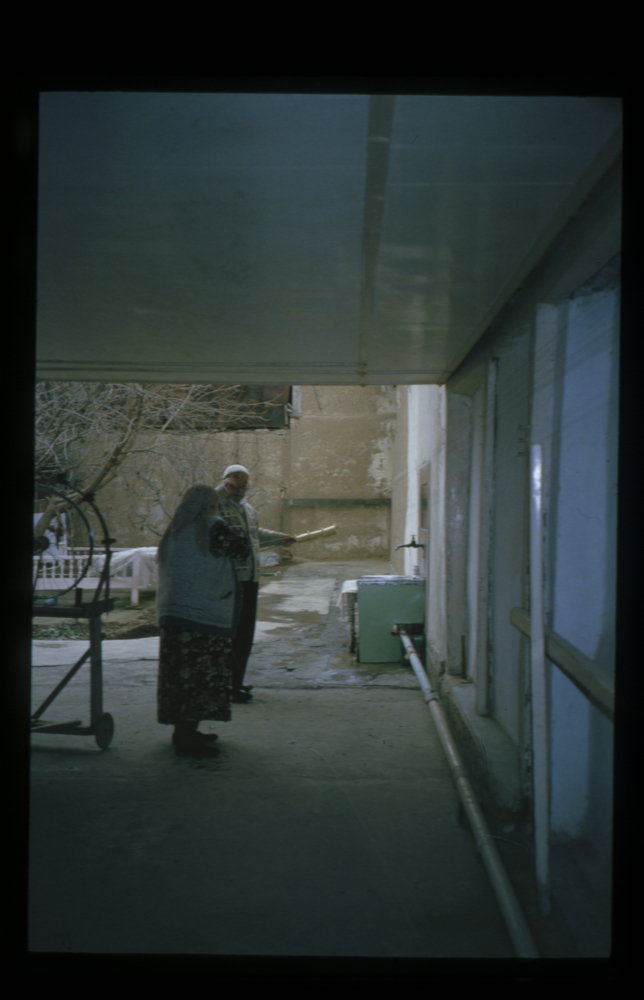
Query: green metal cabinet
385	601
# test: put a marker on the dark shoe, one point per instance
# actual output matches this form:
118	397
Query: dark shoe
241	697
246	687
185	746
204	737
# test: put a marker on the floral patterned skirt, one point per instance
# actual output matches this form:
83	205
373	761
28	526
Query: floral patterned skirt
195	676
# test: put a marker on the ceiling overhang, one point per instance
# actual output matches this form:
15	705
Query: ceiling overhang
299	239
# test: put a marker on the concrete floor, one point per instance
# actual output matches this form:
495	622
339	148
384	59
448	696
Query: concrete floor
327	827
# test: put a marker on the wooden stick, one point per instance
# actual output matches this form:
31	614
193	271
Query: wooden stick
308	536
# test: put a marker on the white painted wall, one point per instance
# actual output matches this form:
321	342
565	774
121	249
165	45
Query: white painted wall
418	451
426	440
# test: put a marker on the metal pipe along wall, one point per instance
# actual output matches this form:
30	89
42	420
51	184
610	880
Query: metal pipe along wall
518	929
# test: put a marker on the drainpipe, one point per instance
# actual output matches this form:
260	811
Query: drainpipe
515	922
540	777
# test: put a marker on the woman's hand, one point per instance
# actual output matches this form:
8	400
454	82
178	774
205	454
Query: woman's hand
288	539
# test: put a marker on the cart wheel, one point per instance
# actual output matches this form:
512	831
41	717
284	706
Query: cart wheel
104	730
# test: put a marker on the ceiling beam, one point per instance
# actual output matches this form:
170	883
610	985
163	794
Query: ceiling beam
381	116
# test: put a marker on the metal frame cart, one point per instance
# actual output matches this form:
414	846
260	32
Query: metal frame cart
101	724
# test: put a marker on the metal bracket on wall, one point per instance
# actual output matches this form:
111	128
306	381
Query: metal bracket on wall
522	441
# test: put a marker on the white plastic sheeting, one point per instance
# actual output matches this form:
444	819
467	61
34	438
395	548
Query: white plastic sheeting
57	547
138	564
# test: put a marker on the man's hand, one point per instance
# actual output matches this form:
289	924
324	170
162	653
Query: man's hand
288	539
230	485
236	484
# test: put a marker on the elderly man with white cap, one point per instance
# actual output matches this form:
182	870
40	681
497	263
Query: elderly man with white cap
240	516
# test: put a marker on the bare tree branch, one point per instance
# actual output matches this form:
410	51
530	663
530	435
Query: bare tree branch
86	432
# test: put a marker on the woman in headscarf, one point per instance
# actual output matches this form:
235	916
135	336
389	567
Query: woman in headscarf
198	606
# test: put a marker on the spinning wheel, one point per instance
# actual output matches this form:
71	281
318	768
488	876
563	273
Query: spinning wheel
70	543
64	552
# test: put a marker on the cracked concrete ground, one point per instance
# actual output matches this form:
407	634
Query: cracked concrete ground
327	827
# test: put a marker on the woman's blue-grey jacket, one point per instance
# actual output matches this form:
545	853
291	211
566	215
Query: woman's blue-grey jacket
196	590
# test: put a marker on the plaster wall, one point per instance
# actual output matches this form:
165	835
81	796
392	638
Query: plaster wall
509	557
419	438
399	482
138	502
421	442
458	469
436	575
486	526
339	446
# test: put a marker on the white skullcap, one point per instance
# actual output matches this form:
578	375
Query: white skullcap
236	468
